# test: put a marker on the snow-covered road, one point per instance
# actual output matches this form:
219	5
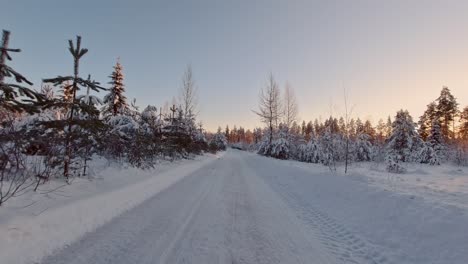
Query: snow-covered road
244	208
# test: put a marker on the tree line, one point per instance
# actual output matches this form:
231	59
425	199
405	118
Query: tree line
440	135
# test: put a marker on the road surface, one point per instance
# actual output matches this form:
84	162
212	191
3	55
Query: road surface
230	211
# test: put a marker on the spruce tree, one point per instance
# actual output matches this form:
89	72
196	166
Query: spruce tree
328	149
363	149
115	101
427	155
81	118
218	142
15	97
403	143
436	140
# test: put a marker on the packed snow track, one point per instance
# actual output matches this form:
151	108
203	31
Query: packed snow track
243	208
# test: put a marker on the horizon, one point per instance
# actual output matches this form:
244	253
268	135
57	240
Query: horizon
388	56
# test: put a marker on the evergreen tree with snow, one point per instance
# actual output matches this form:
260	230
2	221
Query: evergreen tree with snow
447	110
404	142
265	143
388	127
115	101
427	155
280	148
436	140
363	149
150	115
218	142
15	97
328	150
80	117
310	152
425	121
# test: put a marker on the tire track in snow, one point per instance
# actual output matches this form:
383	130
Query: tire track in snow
340	241
344	244
188	221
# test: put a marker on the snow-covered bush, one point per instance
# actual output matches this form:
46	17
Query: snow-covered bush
280	148
310	152
264	147
122	125
363	149
328	148
427	155
394	163
150	115
218	142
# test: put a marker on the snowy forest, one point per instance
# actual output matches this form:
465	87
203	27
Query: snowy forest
55	130
439	136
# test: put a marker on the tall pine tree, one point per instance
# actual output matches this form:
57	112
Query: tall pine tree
447	110
115	101
436	139
425	121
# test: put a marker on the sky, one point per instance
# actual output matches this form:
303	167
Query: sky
386	55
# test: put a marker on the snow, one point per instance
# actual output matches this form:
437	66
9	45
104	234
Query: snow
223	213
244	208
417	217
35	224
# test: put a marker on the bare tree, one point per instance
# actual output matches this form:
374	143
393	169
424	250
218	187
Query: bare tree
188	94
347	120
270	106
290	106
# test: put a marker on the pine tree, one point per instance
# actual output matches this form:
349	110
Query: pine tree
115	101
77	121
463	129
150	116
359	126
447	109
363	149
15	97
328	149
352	129
381	132
281	146
370	131
309	131
425	121
227	134
436	139
388	126
403	143
218	142
427	155
310	152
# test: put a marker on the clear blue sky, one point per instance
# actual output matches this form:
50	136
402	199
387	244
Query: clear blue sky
388	54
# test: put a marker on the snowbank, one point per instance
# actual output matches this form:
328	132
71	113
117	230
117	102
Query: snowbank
34	225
